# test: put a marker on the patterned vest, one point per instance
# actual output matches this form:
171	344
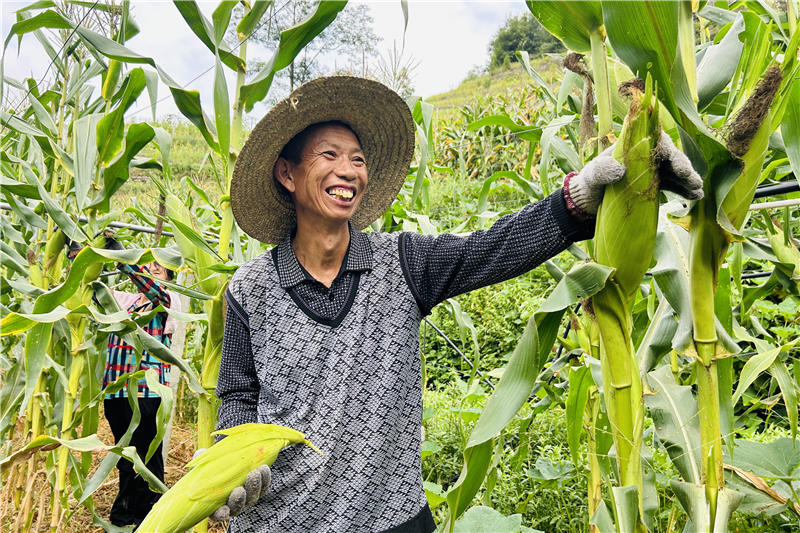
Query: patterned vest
354	389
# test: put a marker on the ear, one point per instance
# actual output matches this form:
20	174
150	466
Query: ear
282	173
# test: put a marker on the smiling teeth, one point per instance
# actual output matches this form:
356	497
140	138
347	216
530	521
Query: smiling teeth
344	194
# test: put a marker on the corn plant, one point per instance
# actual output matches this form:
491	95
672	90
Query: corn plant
67	151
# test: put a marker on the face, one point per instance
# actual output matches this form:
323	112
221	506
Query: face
158	271
329	181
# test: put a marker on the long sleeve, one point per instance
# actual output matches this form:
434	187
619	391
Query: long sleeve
150	287
443	266
237	386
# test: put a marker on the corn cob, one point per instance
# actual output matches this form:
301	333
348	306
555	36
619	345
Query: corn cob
216	472
624	239
93	271
52	250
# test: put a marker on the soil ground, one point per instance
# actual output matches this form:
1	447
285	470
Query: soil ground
180	452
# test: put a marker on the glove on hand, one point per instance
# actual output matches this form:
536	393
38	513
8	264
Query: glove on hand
675	174
256	484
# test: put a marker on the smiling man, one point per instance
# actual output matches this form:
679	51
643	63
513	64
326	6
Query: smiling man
321	332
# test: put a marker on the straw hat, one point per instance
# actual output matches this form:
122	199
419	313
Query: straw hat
378	115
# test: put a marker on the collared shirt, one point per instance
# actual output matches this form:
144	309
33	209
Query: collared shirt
121	356
326	303
342	365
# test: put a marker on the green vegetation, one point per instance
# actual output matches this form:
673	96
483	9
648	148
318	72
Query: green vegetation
716	350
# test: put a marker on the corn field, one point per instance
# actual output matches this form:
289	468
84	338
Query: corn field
668	360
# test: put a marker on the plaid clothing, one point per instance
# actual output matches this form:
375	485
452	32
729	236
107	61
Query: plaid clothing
121	358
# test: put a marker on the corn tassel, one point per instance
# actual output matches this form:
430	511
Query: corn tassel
625	238
216	472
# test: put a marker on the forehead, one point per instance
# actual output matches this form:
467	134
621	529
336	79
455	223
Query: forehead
333	134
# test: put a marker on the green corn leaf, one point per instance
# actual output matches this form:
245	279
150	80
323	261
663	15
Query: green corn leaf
24	212
753	368
85	154
718	64
778	459
580	381
523	131
781	374
188	102
43	115
249	22
110	129
13	260
48	19
118	170
572	22
221	17
292	41
222	113
164	413
692	498
476	463
674	411
17	124
204	30
110	48
790	128
524	59
36	342
626	506
650	47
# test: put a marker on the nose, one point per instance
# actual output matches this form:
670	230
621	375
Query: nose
345	169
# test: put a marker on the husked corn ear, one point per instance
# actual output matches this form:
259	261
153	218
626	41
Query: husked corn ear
628	215
216	473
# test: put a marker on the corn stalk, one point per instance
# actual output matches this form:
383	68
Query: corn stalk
624	239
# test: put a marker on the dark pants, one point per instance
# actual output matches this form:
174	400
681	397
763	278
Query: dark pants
135	499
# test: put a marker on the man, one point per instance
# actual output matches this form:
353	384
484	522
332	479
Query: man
321	333
135	499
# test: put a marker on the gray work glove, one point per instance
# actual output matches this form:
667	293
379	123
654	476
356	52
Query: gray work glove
675	174
256	484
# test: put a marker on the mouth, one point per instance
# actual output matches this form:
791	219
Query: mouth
341	193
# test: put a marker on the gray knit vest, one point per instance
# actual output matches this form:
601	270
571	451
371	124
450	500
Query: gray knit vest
355	390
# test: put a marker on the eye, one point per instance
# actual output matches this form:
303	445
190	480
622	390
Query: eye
329	153
359	160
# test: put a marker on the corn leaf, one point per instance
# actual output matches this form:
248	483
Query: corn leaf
85	154
292	41
48	19
110	129
718	63
650	47
118	171
580	380
572	22
790	129
673	408
222	112
204	30
248	23
164	413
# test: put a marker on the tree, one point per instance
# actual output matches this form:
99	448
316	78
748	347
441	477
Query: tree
521	33
344	45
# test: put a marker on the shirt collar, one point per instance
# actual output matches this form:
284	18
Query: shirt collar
357	258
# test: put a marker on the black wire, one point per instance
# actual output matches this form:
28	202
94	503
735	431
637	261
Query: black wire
459	352
46	72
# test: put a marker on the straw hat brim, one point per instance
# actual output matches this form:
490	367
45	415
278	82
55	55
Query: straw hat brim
378	115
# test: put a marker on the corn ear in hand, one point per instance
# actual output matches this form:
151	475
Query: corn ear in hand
216	472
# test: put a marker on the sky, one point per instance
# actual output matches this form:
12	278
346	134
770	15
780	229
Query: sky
446	37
